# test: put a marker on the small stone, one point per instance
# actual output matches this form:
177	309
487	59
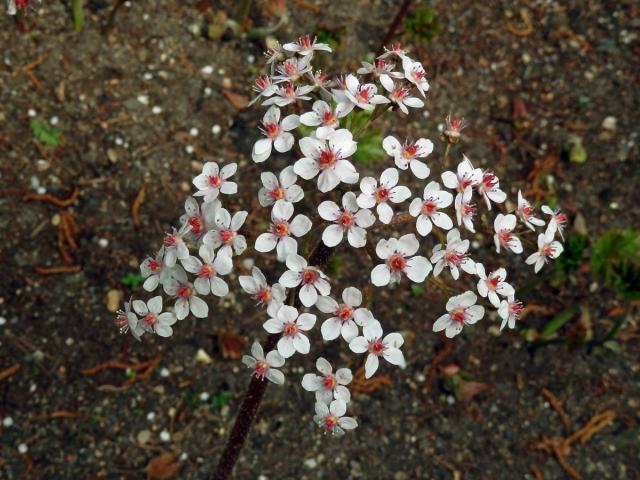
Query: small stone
610	123
143	99
3	320
226	82
207	69
203	357
114	299
55	220
31	112
216	129
193	132
310	463
164	436
69	341
156	110
22	448
151	416
143	437
164	372
112	155
54	120
7	422
118	141
42	165
189	149
183	456
103	243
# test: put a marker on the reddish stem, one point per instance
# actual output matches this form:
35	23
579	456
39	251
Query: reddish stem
402	12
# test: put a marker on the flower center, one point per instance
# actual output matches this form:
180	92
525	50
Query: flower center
489	180
397	262
453	257
492	282
364	95
309	276
429	207
458	315
399	94
468	209
418	74
329	382
150	318
196	224
271	130
527	210
464	183
281	229
505	237
327	159
345	313
121	320
346	219
328	118
382	194
277	193
261	368
377	347
410	151
331	422
290	329
153	265
207	271
170	240
548	250
183	291
264	295
515	308
215	181
289	90
227	236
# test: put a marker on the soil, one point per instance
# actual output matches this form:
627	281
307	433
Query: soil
529	77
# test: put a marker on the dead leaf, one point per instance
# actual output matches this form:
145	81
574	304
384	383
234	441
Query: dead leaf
237	100
469	389
163	467
231	345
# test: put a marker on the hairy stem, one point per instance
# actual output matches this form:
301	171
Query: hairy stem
257	388
393	27
78	14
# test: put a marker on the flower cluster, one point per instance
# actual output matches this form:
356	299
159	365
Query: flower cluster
307	121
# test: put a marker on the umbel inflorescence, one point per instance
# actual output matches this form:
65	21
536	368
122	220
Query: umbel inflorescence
355	210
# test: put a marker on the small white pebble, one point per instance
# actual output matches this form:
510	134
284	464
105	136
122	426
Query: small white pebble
41	190
148	76
613	205
54	120
143	99
188	149
103	242
193	132
32	388
207	69
7	422
118	141
204	396
22	448
164	436
164	373
207	91
216	129
251	58
31	112
156	110
183	456
69	341
151	416
3	320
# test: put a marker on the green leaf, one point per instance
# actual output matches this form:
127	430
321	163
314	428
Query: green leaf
417	290
616	261
422	25
574	247
132	280
45	133
558	321
221	399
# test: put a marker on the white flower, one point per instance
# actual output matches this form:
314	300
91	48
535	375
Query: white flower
256	285
347	316
328	385
509	310
224	234
453	255
465	210
399	258
265	367
406	156
489	188
547	248
328	160
197	222
186	295
127	321
414	72
396	49
208	270
281	230
387	191
462	311
493	284
381	69
525	212
277	133
371	341
364	96
503	226
282	188
323	117
264	87
557	222
400	95
292	69
290	324
153	320
313	281
175	247
154	271
466	176
427	209
213	181
304	46
350	219
330	417
289	93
